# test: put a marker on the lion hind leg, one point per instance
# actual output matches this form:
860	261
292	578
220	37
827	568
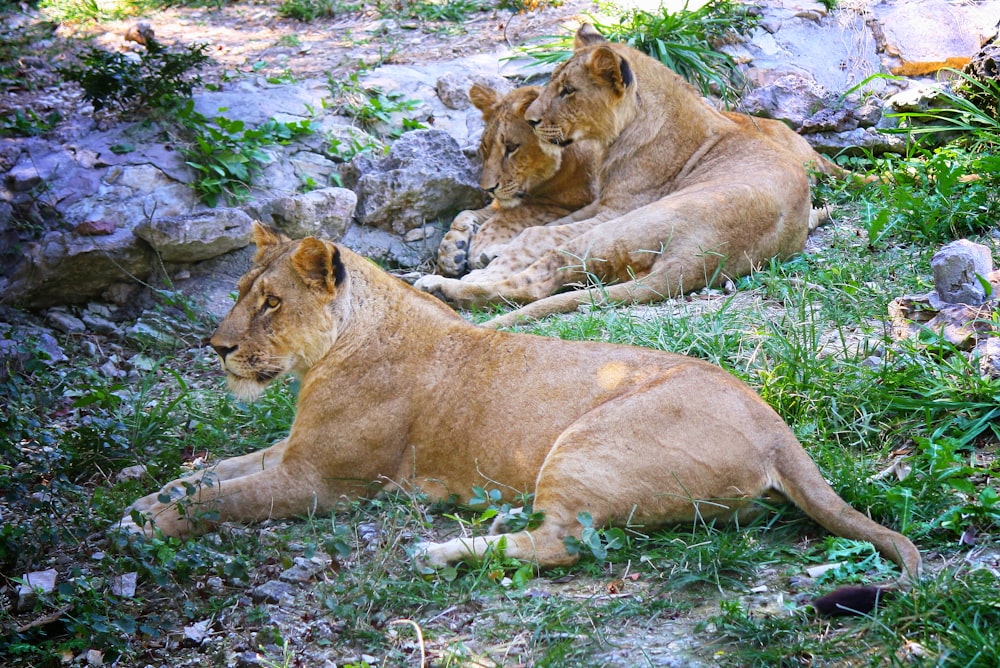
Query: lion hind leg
543	546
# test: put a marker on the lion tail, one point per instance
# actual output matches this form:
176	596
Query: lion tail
630	292
800	480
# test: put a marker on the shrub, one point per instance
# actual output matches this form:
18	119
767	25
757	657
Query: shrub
158	80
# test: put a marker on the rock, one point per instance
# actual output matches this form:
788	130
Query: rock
199	236
195	634
65	322
960	270
791	98
321	213
93	228
389	249
425	177
961	324
305	569
99	325
453	87
272	591
64	268
35	584
124	585
989	357
857	142
917	97
135	472
909	35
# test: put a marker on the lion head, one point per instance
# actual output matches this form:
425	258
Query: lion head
589	95
514	162
281	322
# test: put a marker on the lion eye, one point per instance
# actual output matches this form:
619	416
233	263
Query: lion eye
566	91
272	302
511	149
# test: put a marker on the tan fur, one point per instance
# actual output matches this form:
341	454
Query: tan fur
689	196
397	389
531	183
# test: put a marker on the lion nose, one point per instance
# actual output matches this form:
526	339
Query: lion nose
224	351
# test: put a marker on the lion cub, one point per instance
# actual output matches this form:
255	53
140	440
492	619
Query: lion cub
531	183
398	390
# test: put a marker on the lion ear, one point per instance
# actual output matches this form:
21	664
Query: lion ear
483	98
319	265
265	237
607	66
531	94
587	35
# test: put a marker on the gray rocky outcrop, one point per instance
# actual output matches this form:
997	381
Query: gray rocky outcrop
198	236
425	174
113	208
319	213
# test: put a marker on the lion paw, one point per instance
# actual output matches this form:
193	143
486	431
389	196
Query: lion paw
453	253
129	525
435	285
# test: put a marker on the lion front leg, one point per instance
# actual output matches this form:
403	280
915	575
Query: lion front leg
453	252
194	504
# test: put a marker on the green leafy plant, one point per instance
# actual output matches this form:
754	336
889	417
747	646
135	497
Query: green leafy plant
310	10
387	114
965	112
27	123
158	80
452	11
932	199
595	541
88	11
227	155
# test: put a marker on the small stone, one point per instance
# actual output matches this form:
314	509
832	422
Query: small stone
272	591
95	657
195	634
125	585
109	370
306	569
65	322
35	584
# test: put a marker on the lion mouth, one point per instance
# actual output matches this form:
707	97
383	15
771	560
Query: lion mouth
267	376
558	141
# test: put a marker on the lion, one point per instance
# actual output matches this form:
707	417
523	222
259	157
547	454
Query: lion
399	391
687	196
531	183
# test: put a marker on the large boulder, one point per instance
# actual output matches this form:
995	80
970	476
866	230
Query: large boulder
66	268
320	213
425	177
197	237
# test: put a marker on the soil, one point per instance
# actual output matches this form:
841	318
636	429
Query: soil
252	38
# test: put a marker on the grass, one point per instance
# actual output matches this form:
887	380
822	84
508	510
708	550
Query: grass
802	333
685	40
808	334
